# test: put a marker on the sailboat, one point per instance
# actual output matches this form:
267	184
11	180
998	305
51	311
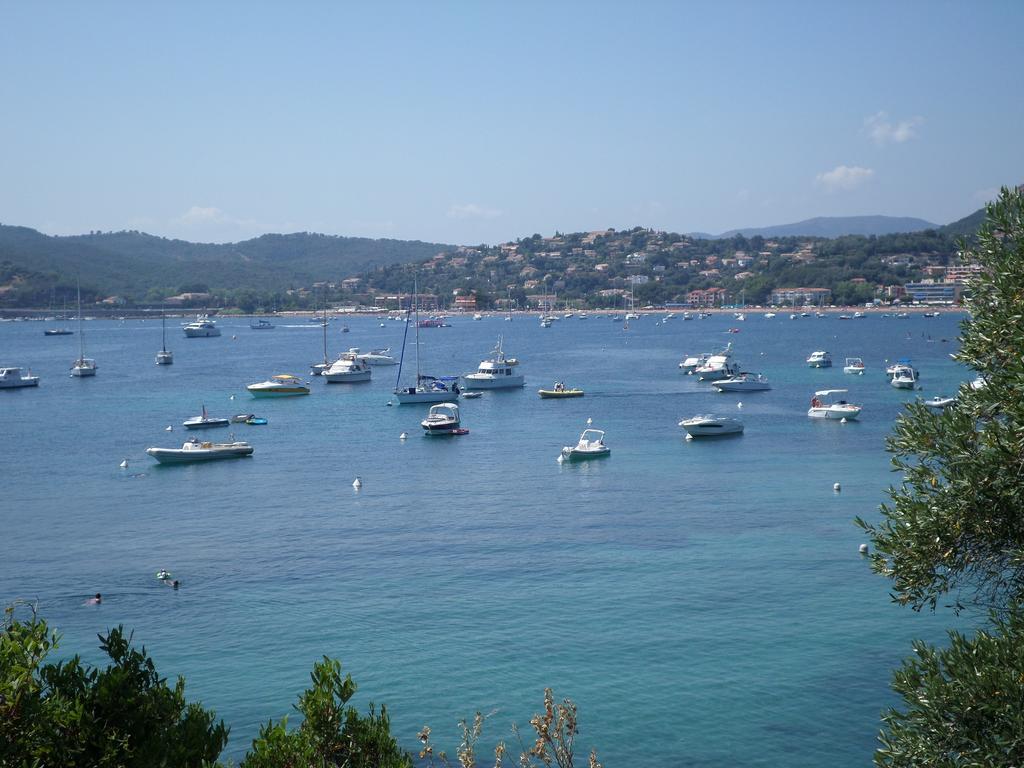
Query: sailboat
164	356
508	317
318	369
428	389
83	366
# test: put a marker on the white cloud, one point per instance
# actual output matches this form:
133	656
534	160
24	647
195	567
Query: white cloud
212	223
199	215
472	211
881	130
844	177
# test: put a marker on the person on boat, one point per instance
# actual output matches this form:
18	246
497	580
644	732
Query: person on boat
94	600
815	402
455	388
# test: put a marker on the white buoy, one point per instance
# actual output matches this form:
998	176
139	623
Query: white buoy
231	398
689	436
357	483
402	436
842	420
739	405
124	464
560	458
233	338
169	428
389	403
837	487
589	421
863	549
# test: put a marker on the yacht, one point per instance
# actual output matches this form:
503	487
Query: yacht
194	450
376	356
201	327
545	322
854	365
164	356
820	359
497	372
903	362
589	446
427	389
57	332
261	324
691	363
282	385
743	382
347	369
478	316
824	406
711	426
443	419
204	421
718	366
903	377
859	315
13	378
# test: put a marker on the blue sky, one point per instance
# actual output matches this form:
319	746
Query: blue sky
483	122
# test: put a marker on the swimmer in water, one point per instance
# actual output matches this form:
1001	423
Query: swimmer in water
94	600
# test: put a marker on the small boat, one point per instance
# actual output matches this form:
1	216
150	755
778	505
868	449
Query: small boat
478	316
854	365
902	315
282	385
691	363
347	369
57	332
256	421
859	315
711	426
903	362
261	324
443	419
204	422
164	356
376	356
545	322
590	446
938	403
13	378
433	322
743	382
903	377
472	395
496	372
83	366
194	450
201	327
426	389
823	406
241	418
344	329
820	359
769	315
560	390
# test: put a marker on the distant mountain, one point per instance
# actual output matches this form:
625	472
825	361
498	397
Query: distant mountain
838	226
131	263
966	227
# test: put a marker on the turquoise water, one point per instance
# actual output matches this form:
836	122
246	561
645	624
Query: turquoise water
702	602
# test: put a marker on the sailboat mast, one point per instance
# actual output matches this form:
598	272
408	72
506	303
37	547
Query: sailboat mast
325	326
163	329
416	309
81	339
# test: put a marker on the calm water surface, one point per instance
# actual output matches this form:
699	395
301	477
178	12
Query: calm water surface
702	602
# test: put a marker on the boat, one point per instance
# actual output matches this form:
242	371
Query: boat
261	324
496	372
769	315
201	327
691	363
903	377
711	426
903	362
256	421
57	332
433	322
478	316
376	356
939	403
589	446
347	369
427	389
83	366
902	315
164	356
194	450
824	406
559	390
718	366
282	385
854	365
13	378
472	395
241	418
743	382
443	419
859	315
820	359
204	422
317	369
545	322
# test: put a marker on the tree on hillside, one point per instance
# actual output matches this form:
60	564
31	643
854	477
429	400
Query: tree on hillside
954	528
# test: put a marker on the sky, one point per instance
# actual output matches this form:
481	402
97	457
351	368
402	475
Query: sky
481	122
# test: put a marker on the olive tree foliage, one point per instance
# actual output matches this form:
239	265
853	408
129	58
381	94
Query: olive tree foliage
954	528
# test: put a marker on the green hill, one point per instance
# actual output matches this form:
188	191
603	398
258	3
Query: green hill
965	227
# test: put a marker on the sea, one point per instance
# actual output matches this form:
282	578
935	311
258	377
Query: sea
703	602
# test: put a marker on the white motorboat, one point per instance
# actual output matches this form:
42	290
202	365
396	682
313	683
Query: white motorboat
347	369
496	372
164	356
825	406
590	446
261	324
478	316
204	421
820	359
427	389
13	378
903	362
718	366
83	366
939	403
201	327
903	377
194	450
859	315
743	382
443	419
711	426
691	363
854	365
375	357
282	385
769	315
